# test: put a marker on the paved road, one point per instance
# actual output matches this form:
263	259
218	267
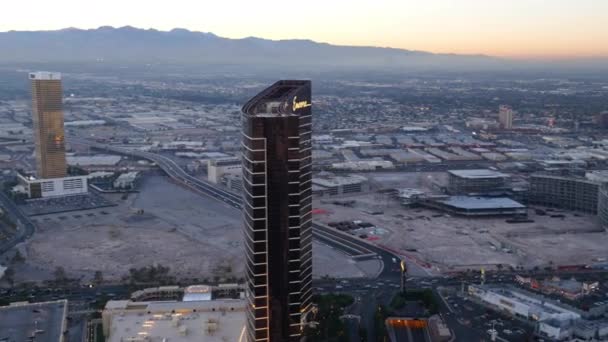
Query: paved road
25	227
349	244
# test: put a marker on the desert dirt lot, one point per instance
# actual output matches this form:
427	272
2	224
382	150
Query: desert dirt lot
192	235
456	242
195	236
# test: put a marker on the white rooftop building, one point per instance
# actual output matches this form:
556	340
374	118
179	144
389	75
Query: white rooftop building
45	75
126	180
84	123
477	174
339	185
521	304
364	165
52	187
216	168
197	293
203	320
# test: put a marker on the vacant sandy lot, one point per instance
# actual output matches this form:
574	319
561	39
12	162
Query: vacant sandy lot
448	241
193	235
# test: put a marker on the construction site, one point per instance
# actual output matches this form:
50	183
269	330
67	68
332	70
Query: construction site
547	236
164	224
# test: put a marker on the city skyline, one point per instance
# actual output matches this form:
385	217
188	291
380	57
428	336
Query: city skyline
202	204
513	29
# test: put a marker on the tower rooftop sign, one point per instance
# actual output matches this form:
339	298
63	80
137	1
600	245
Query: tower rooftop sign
45	75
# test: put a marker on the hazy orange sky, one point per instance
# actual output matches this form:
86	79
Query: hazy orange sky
512	28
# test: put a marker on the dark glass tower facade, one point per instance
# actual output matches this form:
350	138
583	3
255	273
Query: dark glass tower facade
277	210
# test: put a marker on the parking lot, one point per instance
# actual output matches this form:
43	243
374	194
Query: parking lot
70	216
42	320
67	204
473	320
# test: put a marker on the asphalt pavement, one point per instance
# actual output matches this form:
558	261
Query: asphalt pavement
25	227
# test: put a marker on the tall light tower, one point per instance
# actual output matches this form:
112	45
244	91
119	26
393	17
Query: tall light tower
403	275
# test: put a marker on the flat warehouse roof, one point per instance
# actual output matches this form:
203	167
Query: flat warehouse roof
479	173
466	202
207	320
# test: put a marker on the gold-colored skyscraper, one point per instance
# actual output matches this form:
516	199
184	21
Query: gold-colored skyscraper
49	134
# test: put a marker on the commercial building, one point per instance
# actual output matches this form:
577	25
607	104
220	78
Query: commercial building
216	168
195	293
53	187
364	165
177	321
505	117
480	181
588	330
439	330
580	330
233	182
24	321
482	124
555	329
161	293
330	185
127	180
49	136
410	196
189	293
568	288
277	194
521	304
567	192
475	206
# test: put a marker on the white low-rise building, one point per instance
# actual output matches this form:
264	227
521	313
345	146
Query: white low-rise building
216	168
339	185
363	165
195	293
84	123
522	304
555	329
176	321
126	180
53	187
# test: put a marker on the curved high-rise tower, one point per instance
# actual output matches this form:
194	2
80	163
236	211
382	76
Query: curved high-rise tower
277	210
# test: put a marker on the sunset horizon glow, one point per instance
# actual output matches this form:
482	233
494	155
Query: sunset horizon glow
517	29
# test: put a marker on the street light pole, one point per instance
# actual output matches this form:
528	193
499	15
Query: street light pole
403	275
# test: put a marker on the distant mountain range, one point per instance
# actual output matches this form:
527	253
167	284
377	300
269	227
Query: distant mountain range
132	45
